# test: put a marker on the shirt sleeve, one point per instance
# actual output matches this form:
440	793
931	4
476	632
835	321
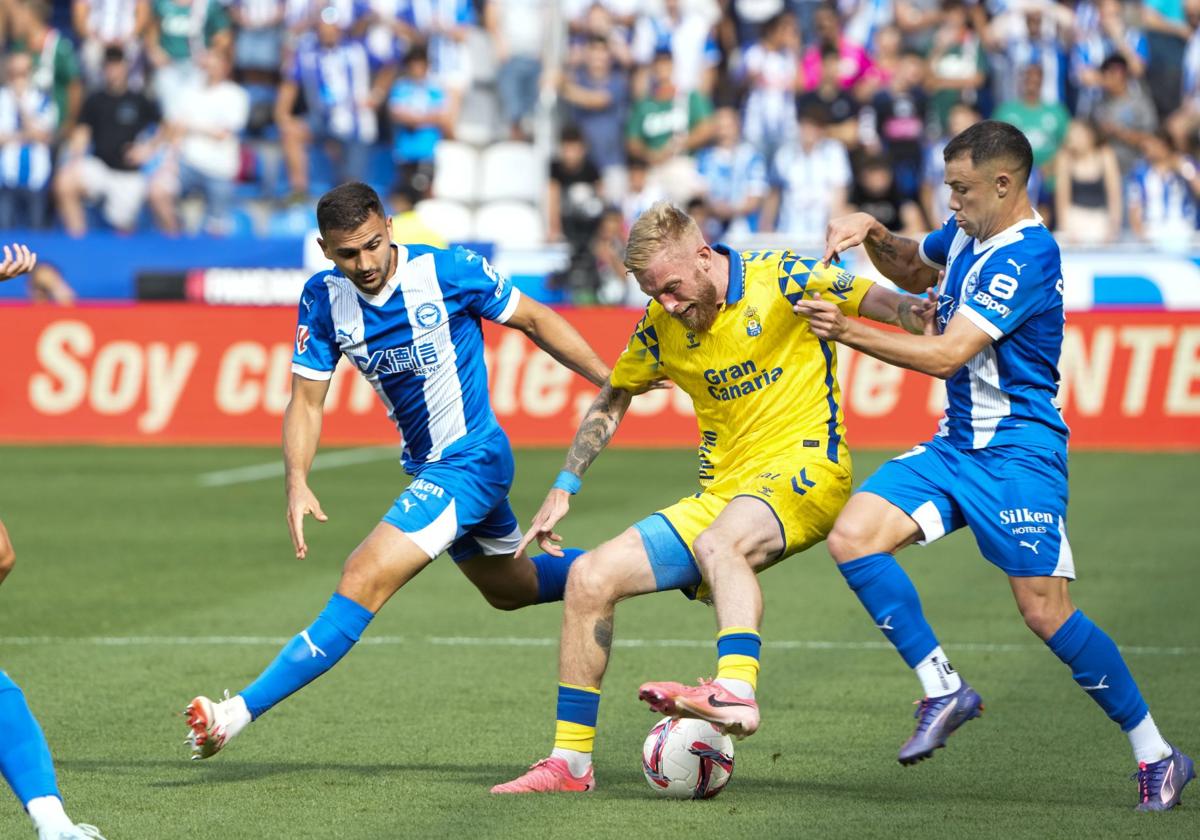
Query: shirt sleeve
835	284
315	353
935	247
1010	289
486	292
639	363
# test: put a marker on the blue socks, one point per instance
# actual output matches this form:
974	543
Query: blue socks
1099	669
889	596
552	574
24	755
309	655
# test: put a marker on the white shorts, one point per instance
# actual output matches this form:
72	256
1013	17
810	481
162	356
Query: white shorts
123	193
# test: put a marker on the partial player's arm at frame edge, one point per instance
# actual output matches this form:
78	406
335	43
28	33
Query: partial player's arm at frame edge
302	427
936	355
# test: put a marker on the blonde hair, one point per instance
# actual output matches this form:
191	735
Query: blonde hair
663	225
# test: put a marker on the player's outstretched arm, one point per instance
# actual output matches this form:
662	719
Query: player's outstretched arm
17	260
912	313
595	431
301	432
551	332
896	257
939	355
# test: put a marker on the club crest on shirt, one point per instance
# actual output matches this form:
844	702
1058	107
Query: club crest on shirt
753	325
692	343
429	315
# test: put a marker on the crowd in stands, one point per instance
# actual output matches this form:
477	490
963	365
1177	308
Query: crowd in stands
527	121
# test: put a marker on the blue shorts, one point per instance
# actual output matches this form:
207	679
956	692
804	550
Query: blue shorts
461	503
1013	498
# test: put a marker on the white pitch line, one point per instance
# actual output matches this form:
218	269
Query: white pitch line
523	641
274	469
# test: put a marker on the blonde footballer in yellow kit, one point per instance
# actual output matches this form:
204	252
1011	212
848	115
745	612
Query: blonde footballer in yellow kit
773	463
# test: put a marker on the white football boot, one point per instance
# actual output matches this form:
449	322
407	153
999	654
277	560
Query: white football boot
213	725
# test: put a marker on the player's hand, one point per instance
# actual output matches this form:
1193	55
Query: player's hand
300	502
557	503
929	307
657	385
844	233
17	261
824	319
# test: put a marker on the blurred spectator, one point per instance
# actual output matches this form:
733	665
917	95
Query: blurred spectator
1185	120
407	224
742	21
1031	32
863	19
610	20
47	285
202	124
518	36
419	118
100	24
55	65
27	121
917	21
855	62
445	24
812	176
258	46
387	34
573	210
898	115
573	202
641	191
685	33
1087	188
666	126
179	31
841	107
1043	123
328	97
772	78
1161	195
935	194
115	125
1109	36
885	60
597	95
735	177
1124	112
608	248
957	62
875	192
700	211
1167	32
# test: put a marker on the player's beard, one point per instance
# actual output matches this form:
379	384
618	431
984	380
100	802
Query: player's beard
377	282
702	312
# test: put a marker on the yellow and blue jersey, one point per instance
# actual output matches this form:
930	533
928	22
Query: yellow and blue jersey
763	385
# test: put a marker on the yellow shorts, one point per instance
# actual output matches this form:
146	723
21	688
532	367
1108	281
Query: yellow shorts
805	497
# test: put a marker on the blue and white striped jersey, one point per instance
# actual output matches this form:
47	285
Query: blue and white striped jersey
418	342
1010	286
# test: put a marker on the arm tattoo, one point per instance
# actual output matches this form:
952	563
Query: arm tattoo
908	319
597	428
886	248
603	634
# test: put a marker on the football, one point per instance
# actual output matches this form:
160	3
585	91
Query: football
687	759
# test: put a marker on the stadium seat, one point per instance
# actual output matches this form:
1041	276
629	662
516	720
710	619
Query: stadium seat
449	218
456	172
478	118
511	171
511	223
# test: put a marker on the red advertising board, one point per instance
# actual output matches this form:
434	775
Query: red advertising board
174	373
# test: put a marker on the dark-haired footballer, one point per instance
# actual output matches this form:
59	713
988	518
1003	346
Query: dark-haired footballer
998	462
408	317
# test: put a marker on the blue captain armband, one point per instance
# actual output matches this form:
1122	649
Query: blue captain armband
568	481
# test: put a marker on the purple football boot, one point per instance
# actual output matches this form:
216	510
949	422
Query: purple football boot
1161	783
936	718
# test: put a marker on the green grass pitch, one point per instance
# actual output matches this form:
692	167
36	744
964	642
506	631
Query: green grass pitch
404	737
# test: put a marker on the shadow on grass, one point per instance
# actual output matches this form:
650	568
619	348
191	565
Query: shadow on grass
185	773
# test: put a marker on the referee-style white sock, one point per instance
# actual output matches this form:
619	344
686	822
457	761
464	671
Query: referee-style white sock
937	675
1148	744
